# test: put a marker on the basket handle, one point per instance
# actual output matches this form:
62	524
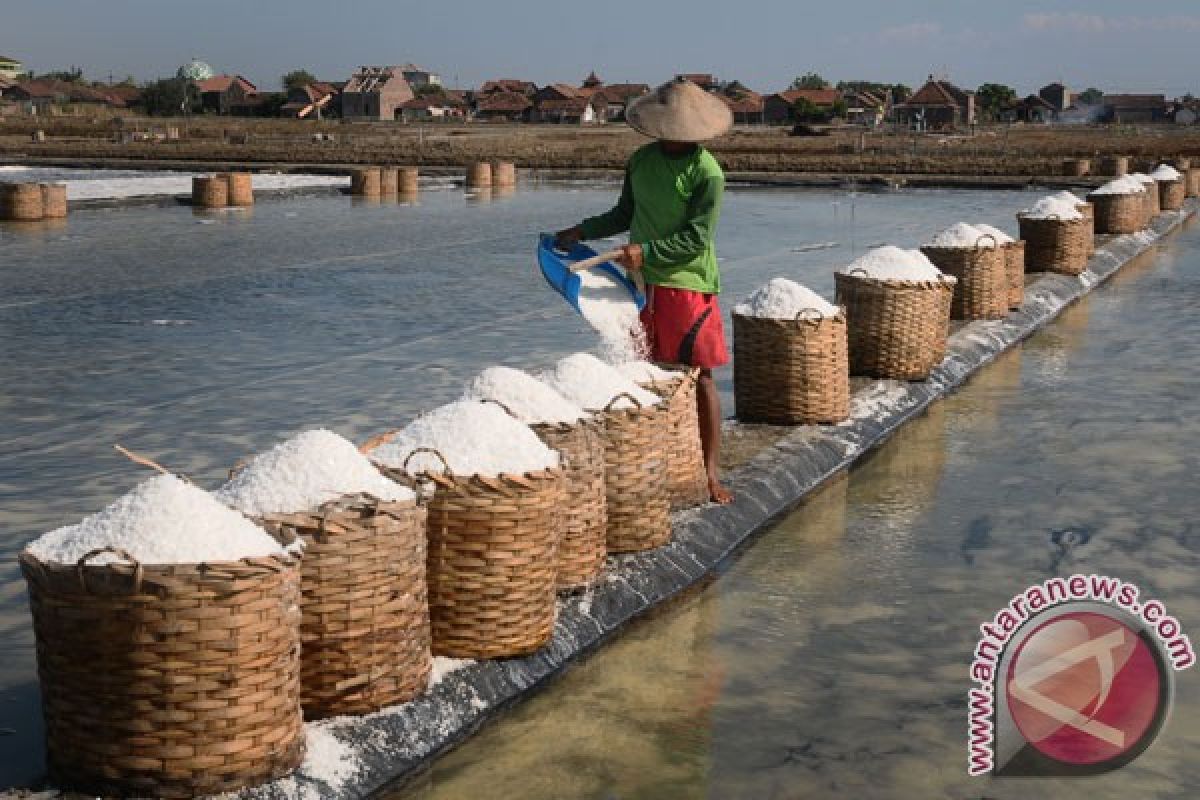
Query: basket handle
613	402
378	441
865	274
142	460
116	551
432	451
503	407
995	243
237	467
803	315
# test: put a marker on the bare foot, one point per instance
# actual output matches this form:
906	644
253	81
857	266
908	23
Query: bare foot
718	493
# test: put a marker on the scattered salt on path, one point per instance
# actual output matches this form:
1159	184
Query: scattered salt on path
1000	236
1052	207
443	666
893	263
531	400
475	439
164	520
609	308
1165	172
961	234
781	298
588	381
645	372
328	759
1126	184
303	472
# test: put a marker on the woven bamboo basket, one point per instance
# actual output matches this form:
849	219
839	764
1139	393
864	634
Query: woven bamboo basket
1014	266
479	175
791	372
21	202
168	681
584	513
1055	245
981	273
54	200
504	173
364	630
895	329
635	476
241	189
1115	166
1117	213
1089	216
366	182
408	180
1150	197
492	562
1181	163
389	181
210	191
1193	182
1077	167
687	477
1171	195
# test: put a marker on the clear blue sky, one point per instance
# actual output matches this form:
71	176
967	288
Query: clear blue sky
1118	46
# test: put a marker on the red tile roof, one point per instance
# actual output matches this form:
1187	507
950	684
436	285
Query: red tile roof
620	93
1131	101
568	104
820	97
508	85
223	83
503	101
743	105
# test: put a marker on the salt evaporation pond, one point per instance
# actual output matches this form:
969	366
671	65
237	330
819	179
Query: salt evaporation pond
91	184
199	338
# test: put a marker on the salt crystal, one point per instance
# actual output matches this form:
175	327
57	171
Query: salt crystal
1165	172
891	263
528	398
609	308
646	372
1000	236
588	381
961	234
1052	207
474	438
305	472
164	520
781	298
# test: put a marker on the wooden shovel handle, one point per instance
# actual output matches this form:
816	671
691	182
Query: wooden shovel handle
595	261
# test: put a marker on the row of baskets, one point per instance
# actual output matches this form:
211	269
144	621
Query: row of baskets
223	190
384	181
180	680
32	202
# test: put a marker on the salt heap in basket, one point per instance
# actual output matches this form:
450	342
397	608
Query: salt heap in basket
961	234
305	472
593	384
530	400
1000	236
891	263
781	298
165	520
643	372
474	439
1053	207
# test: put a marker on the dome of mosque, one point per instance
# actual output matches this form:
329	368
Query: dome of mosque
195	71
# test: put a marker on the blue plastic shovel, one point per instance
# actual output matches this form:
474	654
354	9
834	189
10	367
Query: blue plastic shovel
561	270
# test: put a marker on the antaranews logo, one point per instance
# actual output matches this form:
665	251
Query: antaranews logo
1074	677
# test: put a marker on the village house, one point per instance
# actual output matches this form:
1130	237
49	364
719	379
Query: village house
445	105
43	96
1057	95
702	79
938	105
745	105
1033	109
11	69
867	108
780	108
508	85
1136	108
226	94
375	93
419	77
609	101
312	101
501	106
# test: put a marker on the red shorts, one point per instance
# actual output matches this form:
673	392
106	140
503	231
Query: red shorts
684	327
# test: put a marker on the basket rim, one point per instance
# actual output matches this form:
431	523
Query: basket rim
944	282
839	317
364	502
452	479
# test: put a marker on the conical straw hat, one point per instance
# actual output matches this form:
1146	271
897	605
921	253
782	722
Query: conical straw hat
679	111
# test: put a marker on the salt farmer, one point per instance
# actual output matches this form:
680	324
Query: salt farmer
669	203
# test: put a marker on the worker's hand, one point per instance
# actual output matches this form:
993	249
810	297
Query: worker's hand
632	257
567	237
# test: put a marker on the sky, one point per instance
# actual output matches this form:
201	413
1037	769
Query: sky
1149	46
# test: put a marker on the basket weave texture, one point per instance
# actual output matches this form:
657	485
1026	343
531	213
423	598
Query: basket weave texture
1193	182
492	562
54	200
479	175
389	181
504	173
168	681
210	191
584	512
687	478
635	476
1014	265
408	180
1150	197
1171	195
1055	245
981	291
895	329
1115	166
365	610
240	189
21	202
1077	167
366	182
1089	216
791	372
1118	213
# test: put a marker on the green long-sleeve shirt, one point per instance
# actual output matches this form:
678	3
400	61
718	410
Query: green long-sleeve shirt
670	206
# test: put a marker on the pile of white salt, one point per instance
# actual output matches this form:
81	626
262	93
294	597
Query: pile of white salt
1165	172
961	234
1053	207
529	399
474	438
781	298
586	380
608	307
303	473
164	520
1000	236
646	372
890	263
1126	184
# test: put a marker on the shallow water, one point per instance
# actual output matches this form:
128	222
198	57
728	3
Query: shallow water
198	338
830	659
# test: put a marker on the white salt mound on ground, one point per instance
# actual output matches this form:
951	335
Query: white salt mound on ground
1051	207
303	472
164	520
1000	236
1165	172
527	397
1126	184
961	234
475	439
610	309
588	381
781	298
646	372
891	263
